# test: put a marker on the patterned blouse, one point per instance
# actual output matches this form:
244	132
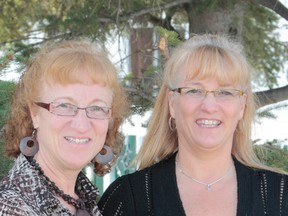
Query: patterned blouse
23	192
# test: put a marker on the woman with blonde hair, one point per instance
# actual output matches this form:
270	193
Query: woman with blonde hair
66	113
197	158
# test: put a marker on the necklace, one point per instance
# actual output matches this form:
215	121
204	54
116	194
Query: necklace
208	185
78	204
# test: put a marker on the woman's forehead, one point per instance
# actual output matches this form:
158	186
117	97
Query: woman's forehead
223	77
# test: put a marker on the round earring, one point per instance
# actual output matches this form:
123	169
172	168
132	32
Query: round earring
29	145
105	155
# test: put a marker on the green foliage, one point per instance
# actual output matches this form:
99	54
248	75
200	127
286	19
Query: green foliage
6	89
266	114
5	163
14	19
267	111
207	5
172	36
142	91
273	155
38	21
263	47
5	59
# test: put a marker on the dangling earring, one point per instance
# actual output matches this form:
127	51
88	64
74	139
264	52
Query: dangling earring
29	145
170	124
105	155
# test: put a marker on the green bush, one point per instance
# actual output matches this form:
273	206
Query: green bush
272	154
5	163
6	89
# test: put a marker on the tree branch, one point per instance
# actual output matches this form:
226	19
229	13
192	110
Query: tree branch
154	9
133	15
272	96
276	6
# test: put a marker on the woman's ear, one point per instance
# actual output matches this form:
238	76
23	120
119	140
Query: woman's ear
34	116
171	101
243	105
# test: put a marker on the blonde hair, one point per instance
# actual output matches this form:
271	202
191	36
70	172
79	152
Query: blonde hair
208	56
65	63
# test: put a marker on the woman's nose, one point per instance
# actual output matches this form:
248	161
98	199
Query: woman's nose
80	121
209	102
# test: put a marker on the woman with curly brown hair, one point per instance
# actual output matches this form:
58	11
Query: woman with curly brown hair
66	112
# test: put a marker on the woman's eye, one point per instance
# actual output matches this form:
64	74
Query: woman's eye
95	108
225	93
194	91
65	106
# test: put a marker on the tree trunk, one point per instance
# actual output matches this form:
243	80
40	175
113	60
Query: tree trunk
227	20
141	43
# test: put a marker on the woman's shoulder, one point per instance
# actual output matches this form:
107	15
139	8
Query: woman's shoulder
22	191
117	198
10	194
137	180
16	197
163	165
272	173
12	202
136	187
123	183
269	181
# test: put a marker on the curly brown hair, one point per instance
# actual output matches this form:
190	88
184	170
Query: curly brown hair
60	62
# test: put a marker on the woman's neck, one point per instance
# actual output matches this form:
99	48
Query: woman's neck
64	179
204	166
73	203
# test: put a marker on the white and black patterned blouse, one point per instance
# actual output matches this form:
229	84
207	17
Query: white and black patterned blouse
23	192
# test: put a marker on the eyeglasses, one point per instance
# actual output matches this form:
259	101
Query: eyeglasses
200	94
67	109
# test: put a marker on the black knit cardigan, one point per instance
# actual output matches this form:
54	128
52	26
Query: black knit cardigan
153	192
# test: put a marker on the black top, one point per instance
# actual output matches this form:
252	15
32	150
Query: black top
154	191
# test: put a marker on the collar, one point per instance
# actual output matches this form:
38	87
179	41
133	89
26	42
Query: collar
22	172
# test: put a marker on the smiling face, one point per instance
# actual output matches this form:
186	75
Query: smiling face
71	141
206	123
